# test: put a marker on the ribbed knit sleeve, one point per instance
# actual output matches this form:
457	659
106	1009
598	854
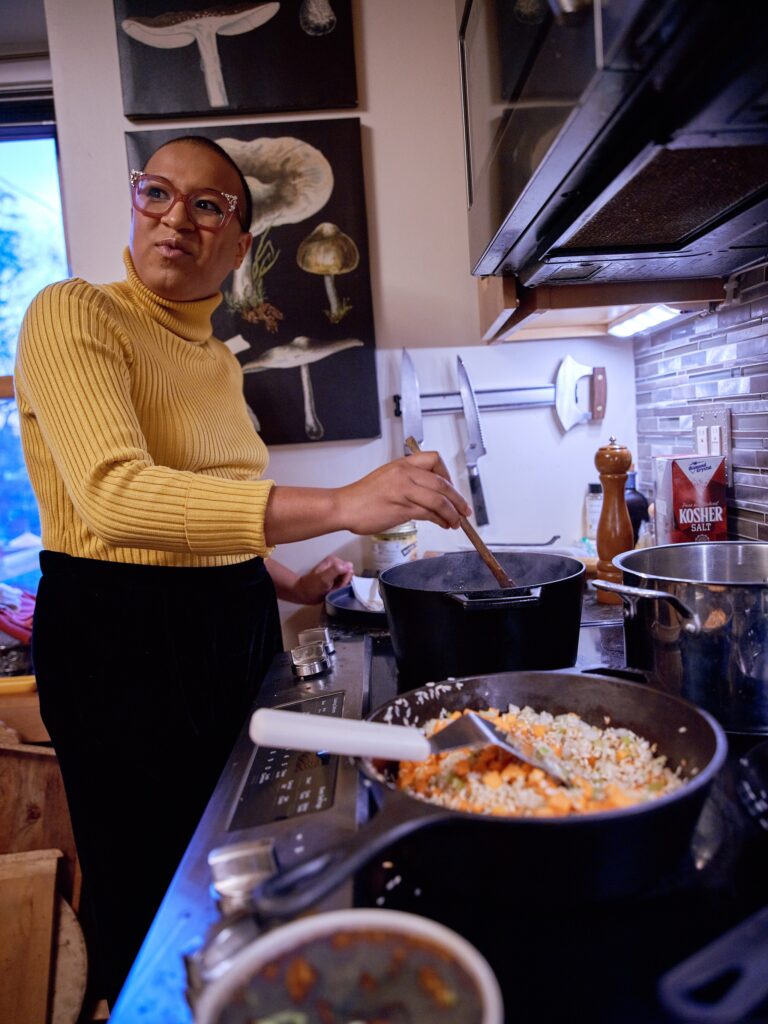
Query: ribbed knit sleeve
137	441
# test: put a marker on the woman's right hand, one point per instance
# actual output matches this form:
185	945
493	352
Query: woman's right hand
413	487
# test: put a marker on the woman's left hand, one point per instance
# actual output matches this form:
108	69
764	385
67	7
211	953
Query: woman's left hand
328	575
310	588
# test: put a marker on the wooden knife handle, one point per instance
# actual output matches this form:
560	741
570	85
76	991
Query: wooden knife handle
599	392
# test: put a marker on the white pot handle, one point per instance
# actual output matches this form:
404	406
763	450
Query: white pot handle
295	730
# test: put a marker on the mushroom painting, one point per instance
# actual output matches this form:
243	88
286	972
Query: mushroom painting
183	28
299	354
195	58
289	180
328	251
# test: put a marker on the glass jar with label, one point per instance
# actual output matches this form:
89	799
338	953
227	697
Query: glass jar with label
393	546
593	506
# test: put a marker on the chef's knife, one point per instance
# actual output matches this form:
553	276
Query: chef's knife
413	425
475	443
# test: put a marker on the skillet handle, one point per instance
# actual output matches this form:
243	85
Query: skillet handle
295	890
740	955
273	727
504	600
631	595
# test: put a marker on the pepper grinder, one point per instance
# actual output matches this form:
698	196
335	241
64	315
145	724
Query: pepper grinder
614	529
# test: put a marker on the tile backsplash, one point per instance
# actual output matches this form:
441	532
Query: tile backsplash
718	358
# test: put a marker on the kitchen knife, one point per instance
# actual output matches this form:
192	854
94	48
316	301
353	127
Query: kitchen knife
413	425
475	443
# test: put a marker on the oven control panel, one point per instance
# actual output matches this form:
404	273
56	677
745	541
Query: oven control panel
282	784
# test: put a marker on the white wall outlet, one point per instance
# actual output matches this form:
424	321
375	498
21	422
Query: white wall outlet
712	434
715	440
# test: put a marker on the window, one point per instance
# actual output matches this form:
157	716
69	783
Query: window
32	254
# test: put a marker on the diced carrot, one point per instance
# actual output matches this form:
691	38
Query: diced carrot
560	802
300	976
617	797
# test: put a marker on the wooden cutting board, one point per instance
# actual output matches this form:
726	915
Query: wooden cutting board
27	894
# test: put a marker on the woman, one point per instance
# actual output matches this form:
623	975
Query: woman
156	616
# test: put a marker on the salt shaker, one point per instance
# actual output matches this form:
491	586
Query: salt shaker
614	530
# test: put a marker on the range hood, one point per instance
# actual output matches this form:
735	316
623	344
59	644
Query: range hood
511	312
615	141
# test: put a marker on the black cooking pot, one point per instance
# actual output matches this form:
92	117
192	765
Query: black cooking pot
448	617
590	856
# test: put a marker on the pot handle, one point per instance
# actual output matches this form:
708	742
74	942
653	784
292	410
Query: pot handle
295	890
739	955
505	599
631	595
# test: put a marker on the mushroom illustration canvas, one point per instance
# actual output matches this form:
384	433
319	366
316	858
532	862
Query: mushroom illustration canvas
298	312
205	57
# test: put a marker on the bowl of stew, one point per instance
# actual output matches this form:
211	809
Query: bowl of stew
356	966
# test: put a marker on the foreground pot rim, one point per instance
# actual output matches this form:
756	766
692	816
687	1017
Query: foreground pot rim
620	561
282	939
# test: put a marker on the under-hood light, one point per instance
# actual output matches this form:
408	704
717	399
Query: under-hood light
637	322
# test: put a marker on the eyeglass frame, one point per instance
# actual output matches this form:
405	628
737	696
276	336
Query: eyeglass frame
232	202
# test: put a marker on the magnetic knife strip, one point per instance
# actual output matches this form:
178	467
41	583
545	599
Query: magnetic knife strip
562	394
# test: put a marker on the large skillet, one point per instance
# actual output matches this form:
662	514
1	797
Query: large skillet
591	856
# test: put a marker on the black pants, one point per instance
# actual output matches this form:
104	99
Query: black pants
145	676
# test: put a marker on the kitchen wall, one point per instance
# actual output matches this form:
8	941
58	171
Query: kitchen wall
716	359
424	297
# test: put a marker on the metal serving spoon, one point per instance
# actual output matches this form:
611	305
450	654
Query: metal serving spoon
271	727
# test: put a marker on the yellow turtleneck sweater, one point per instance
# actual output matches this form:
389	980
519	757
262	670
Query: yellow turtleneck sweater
136	434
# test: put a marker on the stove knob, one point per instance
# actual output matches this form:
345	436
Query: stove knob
237	869
214	957
310	660
318	634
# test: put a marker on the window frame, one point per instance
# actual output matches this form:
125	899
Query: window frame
27	114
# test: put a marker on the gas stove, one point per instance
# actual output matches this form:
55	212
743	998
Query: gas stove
273	808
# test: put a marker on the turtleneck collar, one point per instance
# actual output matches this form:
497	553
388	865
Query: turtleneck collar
189	320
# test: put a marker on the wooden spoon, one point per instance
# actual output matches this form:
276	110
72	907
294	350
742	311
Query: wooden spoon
477	541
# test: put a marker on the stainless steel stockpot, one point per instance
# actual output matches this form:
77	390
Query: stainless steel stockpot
696	620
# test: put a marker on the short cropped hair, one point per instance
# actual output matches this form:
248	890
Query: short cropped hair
202	140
